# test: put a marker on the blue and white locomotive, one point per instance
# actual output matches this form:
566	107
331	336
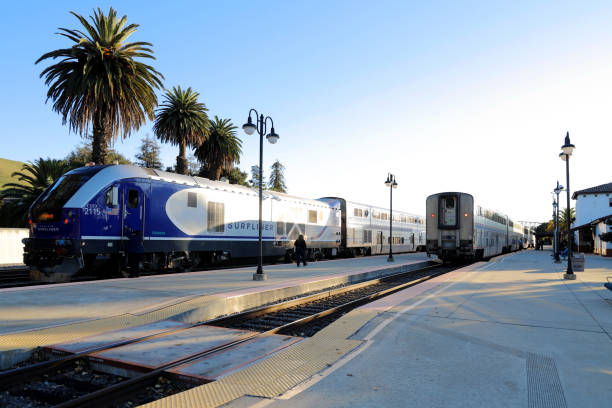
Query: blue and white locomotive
102	214
457	228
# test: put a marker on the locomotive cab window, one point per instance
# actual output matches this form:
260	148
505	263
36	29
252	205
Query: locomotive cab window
112	196
133	198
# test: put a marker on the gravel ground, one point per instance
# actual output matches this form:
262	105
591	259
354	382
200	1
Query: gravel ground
163	387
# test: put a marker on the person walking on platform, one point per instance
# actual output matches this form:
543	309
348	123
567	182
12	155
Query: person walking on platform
300	250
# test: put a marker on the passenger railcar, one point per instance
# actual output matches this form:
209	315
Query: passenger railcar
365	229
457	228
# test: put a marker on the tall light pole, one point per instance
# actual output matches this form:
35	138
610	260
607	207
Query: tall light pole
261	128
391	183
558	190
568	148
554	215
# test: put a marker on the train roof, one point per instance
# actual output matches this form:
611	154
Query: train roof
354	203
476	204
112	173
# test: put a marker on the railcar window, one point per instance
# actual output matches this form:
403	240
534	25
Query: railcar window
356	212
216	217
384	216
133	198
192	200
450	202
312	217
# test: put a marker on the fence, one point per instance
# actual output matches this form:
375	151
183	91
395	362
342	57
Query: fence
11	248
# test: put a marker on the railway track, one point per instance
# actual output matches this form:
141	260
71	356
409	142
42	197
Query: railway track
61	383
15	276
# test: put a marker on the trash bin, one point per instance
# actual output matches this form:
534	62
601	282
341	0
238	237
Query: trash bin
578	262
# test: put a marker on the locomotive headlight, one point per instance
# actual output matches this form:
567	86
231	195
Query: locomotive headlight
465	214
69	213
433	215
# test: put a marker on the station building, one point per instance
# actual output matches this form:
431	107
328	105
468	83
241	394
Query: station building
593	218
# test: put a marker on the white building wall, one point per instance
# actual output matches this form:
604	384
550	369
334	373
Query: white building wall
11	248
602	247
590	207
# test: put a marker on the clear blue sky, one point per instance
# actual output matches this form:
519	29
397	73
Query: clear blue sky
473	96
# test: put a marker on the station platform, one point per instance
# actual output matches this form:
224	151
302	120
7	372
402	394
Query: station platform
507	333
61	313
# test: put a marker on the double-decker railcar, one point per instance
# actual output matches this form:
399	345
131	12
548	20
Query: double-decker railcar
457	228
104	213
365	229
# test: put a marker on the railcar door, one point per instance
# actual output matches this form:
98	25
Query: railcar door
379	241
133	220
412	247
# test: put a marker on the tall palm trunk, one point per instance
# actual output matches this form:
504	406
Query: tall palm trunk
99	144
181	159
214	171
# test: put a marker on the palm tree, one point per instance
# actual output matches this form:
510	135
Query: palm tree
222	148
35	178
98	80
182	121
563	218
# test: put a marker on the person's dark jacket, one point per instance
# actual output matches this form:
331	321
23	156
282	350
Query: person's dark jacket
300	244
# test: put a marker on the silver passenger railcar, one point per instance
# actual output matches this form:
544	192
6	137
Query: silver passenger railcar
457	228
365	229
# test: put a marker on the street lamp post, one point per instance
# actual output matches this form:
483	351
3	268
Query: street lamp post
555	243
568	148
261	128
391	183
558	190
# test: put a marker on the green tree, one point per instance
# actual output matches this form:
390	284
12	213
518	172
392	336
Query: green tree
193	165
277	178
563	218
149	153
255	177
82	156
35	178
236	176
100	81
182	121
221	149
